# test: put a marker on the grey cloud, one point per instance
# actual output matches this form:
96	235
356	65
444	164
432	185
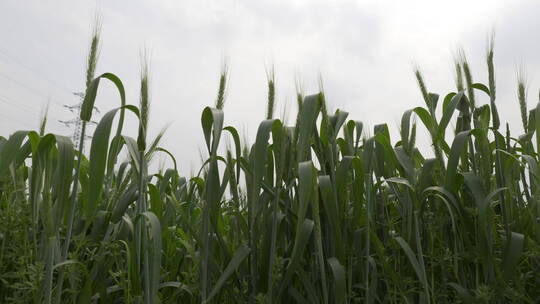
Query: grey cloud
364	53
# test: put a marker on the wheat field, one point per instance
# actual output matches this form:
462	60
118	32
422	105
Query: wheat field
320	211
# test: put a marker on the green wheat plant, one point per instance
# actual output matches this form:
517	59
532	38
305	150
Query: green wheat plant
319	211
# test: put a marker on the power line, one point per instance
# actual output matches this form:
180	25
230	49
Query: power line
19	105
20	63
24	107
25	123
76	108
28	88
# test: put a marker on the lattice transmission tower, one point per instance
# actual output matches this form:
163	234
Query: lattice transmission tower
76	122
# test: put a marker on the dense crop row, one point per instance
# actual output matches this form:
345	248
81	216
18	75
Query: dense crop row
317	212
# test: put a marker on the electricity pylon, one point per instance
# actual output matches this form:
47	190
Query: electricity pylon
76	123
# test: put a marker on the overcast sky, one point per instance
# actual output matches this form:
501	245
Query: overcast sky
364	50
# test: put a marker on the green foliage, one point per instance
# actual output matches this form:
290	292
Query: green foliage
316	212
